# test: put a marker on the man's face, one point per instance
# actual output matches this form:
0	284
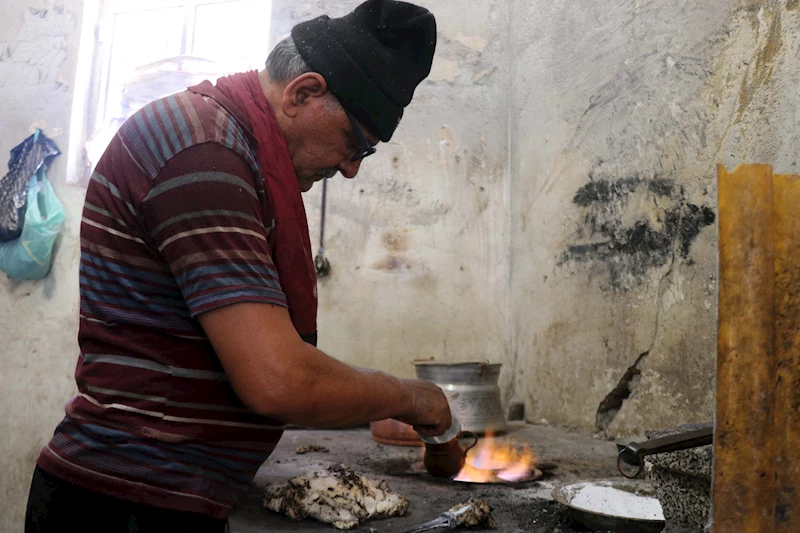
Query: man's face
327	145
321	138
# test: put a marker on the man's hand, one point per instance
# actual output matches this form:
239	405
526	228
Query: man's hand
278	375
431	412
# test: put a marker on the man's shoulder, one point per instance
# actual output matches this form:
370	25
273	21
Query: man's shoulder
165	127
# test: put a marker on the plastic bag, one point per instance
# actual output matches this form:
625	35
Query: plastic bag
29	256
35	152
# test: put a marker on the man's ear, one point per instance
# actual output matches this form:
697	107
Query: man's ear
301	90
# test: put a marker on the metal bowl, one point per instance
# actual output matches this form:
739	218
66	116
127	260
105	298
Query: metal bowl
608	521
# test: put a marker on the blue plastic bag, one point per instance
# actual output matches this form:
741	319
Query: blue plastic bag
29	256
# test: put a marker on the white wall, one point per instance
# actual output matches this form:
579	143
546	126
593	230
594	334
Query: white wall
38	321
622	111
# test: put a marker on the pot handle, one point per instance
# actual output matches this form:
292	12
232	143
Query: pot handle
467	435
630	458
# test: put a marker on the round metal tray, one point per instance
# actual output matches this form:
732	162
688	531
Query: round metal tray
609	522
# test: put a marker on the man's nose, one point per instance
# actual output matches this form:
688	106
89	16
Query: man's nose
349	169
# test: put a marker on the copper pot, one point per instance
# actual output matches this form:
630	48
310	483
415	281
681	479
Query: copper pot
447	459
394	432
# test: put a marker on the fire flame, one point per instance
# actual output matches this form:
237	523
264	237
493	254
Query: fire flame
497	460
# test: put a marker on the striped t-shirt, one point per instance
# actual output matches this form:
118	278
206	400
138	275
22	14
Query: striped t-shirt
176	223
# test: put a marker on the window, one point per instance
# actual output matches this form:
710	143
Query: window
136	51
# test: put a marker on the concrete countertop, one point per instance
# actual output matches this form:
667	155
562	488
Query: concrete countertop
525	507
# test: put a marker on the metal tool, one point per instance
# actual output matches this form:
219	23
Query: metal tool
446	520
321	263
630	460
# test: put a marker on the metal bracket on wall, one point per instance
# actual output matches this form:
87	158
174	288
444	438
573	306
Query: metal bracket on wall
321	263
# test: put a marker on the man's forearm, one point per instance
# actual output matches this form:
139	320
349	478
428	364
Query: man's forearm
276	374
319	391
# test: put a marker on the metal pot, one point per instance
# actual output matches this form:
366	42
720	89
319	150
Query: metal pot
473	391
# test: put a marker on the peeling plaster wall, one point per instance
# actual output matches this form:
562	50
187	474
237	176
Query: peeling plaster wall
417	242
621	112
38	54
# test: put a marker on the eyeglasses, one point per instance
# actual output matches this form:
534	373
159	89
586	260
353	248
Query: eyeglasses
366	148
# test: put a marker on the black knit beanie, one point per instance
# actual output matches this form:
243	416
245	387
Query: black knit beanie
372	58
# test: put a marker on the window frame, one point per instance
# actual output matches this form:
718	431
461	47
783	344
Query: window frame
92	86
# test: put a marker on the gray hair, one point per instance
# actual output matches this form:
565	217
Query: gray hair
285	63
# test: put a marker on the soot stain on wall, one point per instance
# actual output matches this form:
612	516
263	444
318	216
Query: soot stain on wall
629	250
604	191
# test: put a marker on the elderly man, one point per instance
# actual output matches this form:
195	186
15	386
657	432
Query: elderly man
198	291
